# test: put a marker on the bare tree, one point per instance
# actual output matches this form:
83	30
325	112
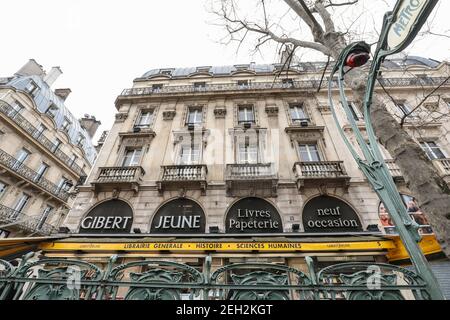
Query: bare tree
318	30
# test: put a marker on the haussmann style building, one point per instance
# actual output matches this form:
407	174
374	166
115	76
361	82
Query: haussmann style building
238	175
45	152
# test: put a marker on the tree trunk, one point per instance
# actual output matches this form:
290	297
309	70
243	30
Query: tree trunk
421	177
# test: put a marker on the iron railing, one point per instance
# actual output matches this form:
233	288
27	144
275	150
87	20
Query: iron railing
32	176
33	225
250	171
184	173
320	169
65	279
120	174
7	110
300	84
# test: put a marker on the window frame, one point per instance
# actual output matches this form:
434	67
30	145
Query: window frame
425	145
192	154
198	112
301	106
253	113
308	144
125	157
138	123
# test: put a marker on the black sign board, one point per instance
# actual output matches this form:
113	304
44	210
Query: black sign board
253	215
113	216
329	214
179	216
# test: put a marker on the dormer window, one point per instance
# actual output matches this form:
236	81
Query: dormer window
166	72
51	110
288	83
32	88
17	107
198	86
66	125
157	87
80	140
243	83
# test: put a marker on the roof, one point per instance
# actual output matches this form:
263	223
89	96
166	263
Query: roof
43	99
270	68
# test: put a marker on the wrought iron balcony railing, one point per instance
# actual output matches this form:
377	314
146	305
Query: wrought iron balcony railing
318	171
250	171
17	167
301	84
120	177
8	111
183	176
26	223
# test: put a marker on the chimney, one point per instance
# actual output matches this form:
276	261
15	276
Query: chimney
63	93
31	68
90	124
101	141
51	77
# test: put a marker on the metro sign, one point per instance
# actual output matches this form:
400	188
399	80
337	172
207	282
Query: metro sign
408	18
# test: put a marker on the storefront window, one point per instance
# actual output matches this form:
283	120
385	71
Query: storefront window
414	212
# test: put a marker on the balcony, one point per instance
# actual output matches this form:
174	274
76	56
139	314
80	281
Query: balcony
19	221
321	173
23	172
9	112
178	177
270	85
118	178
251	179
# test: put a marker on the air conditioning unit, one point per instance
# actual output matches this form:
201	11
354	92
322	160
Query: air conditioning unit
247	125
304	123
213	229
295	227
136	129
191	126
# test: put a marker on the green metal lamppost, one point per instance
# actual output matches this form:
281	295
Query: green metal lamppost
399	28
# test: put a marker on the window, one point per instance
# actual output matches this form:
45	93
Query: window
297	113
432	150
4	234
243	83
355	112
17	107
21	156
73	159
21	204
157	87
56	144
51	110
45	214
132	157
145	119
246	114
194	116
32	88
190	154
39	130
199	86
3	187
63	185
288	83
80	140
248	151
406	109
41	171
166	72
308	152
66	125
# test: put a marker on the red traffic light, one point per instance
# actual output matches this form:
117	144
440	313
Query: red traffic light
357	59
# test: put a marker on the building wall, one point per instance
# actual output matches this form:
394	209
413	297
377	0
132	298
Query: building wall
271	109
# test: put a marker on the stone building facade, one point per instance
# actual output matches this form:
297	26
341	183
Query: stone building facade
45	152
250	152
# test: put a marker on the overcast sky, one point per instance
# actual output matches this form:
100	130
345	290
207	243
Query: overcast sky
101	45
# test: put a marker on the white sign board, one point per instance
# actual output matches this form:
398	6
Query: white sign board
408	13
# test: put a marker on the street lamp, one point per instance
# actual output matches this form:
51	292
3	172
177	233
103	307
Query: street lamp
399	28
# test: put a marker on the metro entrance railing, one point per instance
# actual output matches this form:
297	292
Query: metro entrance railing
61	279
